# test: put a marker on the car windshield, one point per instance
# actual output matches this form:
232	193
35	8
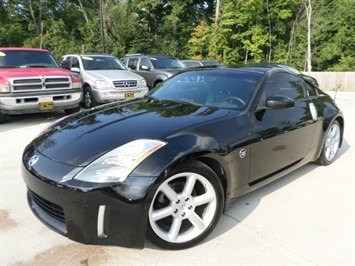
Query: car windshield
102	63
166	63
219	88
191	64
26	59
211	63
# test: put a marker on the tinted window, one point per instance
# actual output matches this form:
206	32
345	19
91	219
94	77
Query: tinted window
213	88
132	63
25	59
75	62
144	62
166	62
285	84
102	62
190	64
311	91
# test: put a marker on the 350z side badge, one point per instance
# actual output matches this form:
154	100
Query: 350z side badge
33	160
242	153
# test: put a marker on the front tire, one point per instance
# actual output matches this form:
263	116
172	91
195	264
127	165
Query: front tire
89	100
72	110
3	118
186	207
331	144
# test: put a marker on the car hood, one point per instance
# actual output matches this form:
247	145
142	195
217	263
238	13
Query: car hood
35	71
170	71
81	138
112	75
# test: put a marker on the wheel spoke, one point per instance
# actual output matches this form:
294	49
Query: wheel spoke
169	192
162	213
334	132
197	221
175	229
189	205
332	143
204	198
190	184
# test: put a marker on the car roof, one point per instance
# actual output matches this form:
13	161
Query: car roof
148	55
261	70
89	54
22	49
291	69
191	60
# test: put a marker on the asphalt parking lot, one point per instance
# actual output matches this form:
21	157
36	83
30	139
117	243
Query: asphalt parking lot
304	218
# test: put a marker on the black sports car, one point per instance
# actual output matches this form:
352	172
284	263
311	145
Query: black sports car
166	166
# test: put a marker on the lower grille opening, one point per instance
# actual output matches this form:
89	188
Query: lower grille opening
60	98
50	208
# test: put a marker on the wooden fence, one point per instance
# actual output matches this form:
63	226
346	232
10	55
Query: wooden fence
330	81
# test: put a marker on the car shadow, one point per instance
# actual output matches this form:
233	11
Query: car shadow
30	120
241	207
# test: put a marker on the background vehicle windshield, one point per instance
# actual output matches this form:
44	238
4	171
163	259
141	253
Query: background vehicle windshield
25	59
166	62
102	62
213	88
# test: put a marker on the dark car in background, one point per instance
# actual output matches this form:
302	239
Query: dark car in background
165	167
198	63
154	68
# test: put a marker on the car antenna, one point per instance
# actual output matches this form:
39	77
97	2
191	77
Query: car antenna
336	93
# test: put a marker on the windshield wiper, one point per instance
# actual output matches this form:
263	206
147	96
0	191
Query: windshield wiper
35	66
8	67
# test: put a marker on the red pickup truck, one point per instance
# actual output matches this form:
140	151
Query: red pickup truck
32	81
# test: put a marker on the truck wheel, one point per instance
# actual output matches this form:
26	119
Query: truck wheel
3	118
72	110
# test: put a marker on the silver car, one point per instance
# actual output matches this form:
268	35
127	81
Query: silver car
104	78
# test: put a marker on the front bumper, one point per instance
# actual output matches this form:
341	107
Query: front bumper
104	96
26	103
97	216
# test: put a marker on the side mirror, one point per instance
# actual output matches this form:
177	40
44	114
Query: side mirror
75	69
279	102
143	67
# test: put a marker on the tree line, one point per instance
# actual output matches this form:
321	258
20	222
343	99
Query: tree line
317	35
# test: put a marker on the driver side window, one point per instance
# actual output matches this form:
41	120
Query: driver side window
285	84
75	62
144	62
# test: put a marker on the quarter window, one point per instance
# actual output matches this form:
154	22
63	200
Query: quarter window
311	91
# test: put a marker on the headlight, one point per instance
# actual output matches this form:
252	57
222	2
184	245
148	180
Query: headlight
143	83
4	88
116	165
100	84
76	85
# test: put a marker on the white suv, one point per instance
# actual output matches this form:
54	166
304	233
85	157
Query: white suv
104	78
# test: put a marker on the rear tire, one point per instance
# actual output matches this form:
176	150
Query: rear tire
186	207
330	145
